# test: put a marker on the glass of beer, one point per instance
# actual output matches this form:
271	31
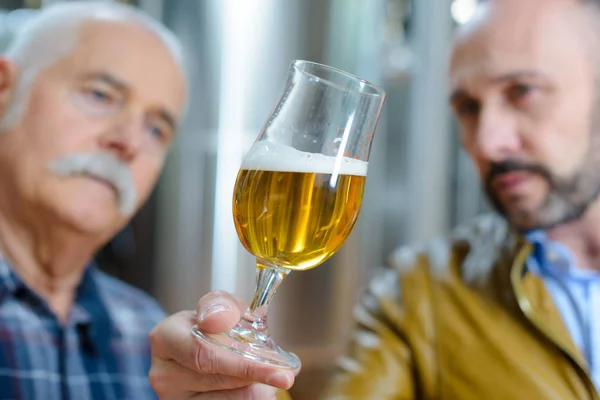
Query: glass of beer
299	191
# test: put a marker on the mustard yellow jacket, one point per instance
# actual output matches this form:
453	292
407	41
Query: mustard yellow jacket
461	319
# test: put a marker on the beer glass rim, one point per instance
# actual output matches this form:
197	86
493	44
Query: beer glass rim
372	89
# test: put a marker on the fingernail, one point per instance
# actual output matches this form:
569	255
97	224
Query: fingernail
214	309
280	380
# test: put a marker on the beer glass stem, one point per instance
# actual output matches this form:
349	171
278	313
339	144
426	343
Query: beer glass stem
250	338
268	279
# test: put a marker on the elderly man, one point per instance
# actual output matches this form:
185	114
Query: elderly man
90	98
505	308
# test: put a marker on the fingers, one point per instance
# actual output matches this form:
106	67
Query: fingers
168	379
218	312
215	360
253	392
172	340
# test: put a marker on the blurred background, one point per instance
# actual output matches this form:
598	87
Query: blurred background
183	243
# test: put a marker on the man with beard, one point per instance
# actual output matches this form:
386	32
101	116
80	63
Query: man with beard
90	96
506	307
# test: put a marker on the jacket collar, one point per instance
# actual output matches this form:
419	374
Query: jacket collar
498	252
537	305
490	241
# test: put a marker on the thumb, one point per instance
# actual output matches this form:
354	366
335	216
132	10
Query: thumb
217	312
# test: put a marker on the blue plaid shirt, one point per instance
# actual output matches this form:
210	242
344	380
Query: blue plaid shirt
101	353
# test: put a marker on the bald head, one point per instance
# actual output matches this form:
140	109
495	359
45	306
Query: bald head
524	31
53	33
583	13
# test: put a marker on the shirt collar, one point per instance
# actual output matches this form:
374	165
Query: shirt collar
552	258
10	283
89	314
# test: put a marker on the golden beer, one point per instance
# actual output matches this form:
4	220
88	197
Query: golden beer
295	220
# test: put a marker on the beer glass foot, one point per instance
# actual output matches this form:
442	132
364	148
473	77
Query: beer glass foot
251	345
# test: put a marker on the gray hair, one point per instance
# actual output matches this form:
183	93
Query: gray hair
51	35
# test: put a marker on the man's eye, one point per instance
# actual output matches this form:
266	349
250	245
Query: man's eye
158	130
100	96
519	92
467	108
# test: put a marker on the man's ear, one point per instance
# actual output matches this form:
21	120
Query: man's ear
8	81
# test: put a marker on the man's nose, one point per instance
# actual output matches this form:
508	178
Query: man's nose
496	136
124	138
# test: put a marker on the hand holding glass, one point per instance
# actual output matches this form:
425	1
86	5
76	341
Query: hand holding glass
299	190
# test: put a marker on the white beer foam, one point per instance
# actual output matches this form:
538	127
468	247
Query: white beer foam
268	156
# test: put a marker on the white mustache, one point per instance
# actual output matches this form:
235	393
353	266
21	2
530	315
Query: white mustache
102	166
